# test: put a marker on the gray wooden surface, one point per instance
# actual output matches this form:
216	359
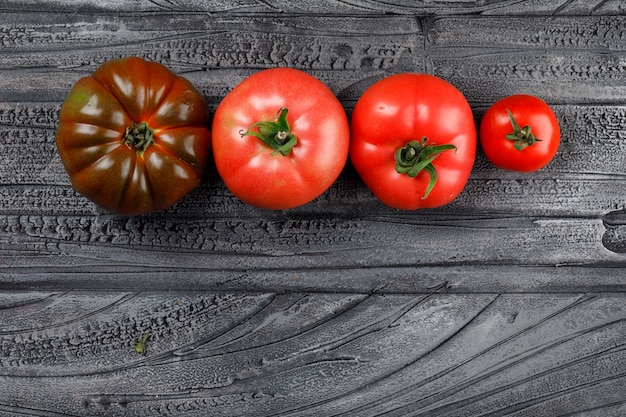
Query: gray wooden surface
509	301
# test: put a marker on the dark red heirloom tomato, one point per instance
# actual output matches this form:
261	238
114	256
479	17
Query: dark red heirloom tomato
413	141
133	136
280	139
520	133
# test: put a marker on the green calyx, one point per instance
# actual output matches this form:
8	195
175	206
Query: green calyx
521	136
274	133
138	136
416	156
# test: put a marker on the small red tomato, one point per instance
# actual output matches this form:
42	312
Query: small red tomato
281	139
413	141
520	133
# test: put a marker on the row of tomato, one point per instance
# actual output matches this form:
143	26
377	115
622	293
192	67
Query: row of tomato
135	137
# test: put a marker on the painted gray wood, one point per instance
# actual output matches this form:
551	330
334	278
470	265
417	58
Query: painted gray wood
511	300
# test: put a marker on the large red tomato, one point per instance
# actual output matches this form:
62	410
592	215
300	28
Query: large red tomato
520	133
133	136
280	138
413	140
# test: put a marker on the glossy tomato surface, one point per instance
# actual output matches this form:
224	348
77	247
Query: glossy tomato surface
527	147
133	136
413	108
287	103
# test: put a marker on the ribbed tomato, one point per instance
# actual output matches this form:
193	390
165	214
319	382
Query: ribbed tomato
133	136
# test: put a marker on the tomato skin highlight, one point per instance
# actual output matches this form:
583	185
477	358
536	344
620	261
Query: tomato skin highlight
253	171
405	107
165	158
526	110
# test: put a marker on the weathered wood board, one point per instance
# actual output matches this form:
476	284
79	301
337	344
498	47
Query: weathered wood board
511	300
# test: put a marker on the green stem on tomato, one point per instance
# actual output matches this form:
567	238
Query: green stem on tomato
521	136
138	136
274	133
416	156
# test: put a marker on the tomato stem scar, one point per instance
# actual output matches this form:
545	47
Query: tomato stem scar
138	136
274	133
521	137
416	156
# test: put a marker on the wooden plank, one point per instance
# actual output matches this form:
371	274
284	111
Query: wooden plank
304	243
561	59
311	354
403	279
53	50
330	254
375	7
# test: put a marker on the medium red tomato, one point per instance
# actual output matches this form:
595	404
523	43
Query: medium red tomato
520	133
133	136
413	140
280	138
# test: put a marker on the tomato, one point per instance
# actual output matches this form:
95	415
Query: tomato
280	139
413	141
133	136
520	133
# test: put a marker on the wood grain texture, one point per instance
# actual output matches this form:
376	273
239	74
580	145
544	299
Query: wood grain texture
377	7
311	354
510	301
